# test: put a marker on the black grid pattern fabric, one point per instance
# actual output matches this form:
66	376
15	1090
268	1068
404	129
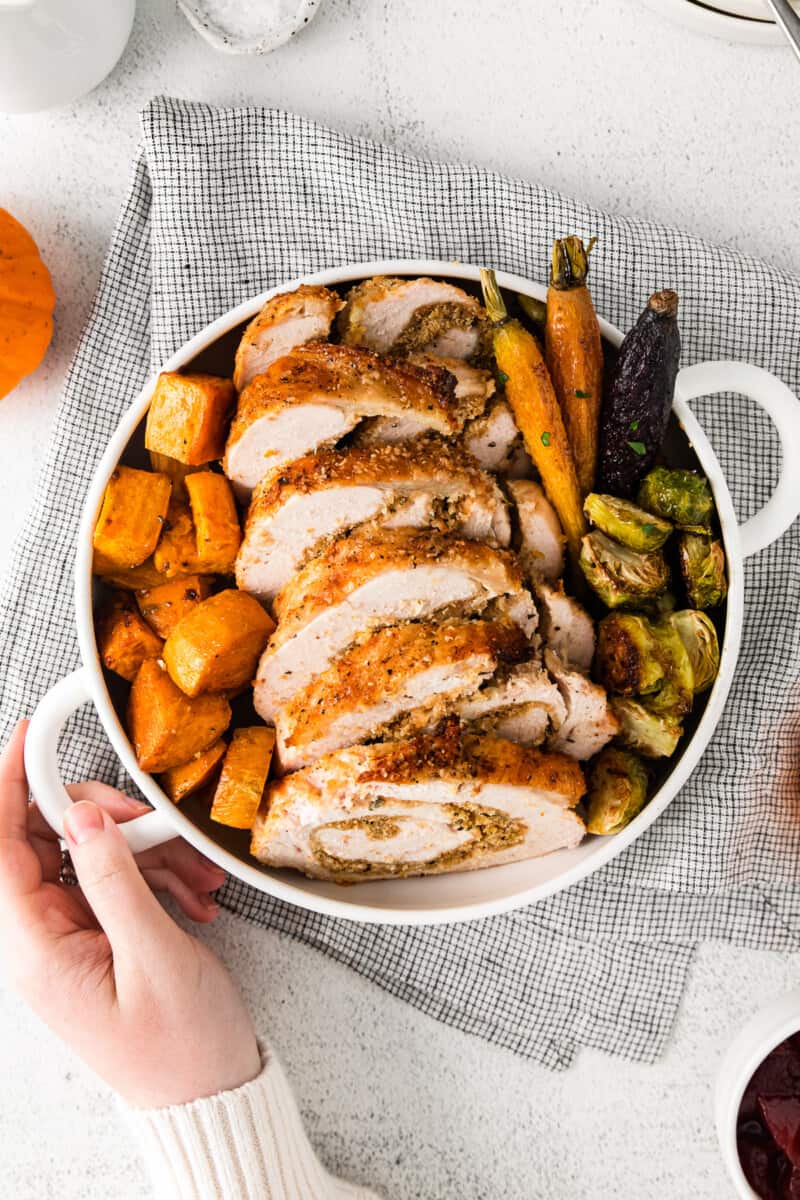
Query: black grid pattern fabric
225	203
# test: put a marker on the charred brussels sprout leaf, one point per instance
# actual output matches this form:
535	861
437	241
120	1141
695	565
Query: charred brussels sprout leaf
618	574
629	660
700	639
651	734
678	496
674	697
702	562
617	790
626	522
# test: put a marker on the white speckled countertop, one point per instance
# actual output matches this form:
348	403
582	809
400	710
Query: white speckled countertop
599	99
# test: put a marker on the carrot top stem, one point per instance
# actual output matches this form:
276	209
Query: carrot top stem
492	298
570	264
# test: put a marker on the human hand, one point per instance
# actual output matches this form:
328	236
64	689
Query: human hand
145	1005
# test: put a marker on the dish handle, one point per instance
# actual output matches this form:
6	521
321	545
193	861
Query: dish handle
783	407
44	776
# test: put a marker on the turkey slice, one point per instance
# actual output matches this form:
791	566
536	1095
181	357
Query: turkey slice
541	542
566	627
523	704
426	483
404	315
368	581
388	675
316	394
589	723
287	320
429	805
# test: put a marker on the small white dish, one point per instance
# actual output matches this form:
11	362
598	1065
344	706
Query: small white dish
766	1030
54	51
219	24
729	25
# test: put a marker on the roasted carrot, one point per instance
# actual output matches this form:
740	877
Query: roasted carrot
574	354
530	393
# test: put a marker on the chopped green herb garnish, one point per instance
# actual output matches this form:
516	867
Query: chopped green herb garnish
583	395
546	438
502	378
647	529
634	425
638	448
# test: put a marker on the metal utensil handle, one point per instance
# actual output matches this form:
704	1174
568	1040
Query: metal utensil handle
788	20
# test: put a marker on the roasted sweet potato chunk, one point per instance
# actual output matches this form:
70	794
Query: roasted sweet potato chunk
244	774
168	728
130	578
216	647
176	553
123	638
163	606
188	417
131	516
177	471
189	777
216	521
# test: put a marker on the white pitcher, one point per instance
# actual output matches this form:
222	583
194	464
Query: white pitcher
52	51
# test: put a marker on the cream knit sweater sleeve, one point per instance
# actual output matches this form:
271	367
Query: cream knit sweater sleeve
246	1144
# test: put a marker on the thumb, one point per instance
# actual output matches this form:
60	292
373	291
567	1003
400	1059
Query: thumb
127	910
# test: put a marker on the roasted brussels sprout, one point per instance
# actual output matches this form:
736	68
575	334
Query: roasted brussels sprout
617	790
674	697
700	639
659	605
702	562
652	734
678	496
626	522
618	574
628	659
535	310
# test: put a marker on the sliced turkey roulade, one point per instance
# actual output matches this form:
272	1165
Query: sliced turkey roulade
420	807
427	483
404	315
316	394
371	580
287	320
412	672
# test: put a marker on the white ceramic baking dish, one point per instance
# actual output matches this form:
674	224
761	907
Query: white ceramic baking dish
435	899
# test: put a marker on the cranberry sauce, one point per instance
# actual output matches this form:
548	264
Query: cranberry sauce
768	1126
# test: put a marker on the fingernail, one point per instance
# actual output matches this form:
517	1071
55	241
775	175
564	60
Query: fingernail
210	866
209	903
137	807
82	822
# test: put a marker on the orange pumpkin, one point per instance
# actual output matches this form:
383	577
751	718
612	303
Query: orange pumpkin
26	304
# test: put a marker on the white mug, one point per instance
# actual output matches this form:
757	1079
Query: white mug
53	51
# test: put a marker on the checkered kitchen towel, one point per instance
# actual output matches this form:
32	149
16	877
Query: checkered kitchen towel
226	203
